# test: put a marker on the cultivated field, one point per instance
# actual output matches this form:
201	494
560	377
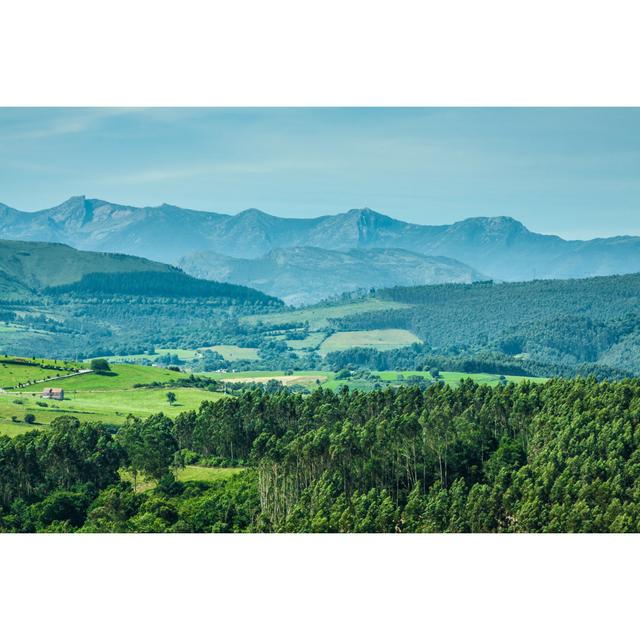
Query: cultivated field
232	353
318	317
381	339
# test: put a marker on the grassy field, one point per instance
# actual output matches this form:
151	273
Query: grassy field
453	377
105	406
13	374
107	398
232	353
312	341
227	351
189	473
318	317
122	376
111	398
244	374
183	354
381	339
328	381
192	473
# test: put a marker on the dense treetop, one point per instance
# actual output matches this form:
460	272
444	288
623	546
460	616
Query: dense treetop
559	456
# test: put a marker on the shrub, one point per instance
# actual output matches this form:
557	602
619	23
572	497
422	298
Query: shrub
100	365
29	418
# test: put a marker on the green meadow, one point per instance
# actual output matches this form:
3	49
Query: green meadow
108	398
381	339
12	372
112	396
121	376
231	353
97	405
318	317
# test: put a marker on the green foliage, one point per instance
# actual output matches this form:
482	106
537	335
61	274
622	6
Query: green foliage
149	445
544	327
158	283
100	365
563	456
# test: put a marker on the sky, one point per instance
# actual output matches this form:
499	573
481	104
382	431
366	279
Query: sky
574	172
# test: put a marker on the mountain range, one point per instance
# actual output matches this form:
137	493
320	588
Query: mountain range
305	275
498	247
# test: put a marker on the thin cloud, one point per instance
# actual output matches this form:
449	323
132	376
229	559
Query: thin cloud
62	122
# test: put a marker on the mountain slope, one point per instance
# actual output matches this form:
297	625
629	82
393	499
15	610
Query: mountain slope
26	267
41	264
500	247
304	275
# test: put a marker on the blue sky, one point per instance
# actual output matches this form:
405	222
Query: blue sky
574	172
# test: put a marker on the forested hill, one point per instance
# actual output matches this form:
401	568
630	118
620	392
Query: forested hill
559	322
27	267
556	457
35	265
60	302
151	284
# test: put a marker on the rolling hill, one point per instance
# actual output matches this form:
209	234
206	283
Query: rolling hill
304	275
561	327
500	247
36	265
26	267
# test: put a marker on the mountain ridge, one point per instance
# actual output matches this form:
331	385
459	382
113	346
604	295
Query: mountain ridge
305	275
500	247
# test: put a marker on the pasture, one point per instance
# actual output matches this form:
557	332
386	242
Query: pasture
121	376
381	339
318	317
14	371
232	353
111	407
109	397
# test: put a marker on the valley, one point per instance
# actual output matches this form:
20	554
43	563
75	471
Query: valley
333	374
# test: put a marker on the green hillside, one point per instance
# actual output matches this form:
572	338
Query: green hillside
43	264
544	327
107	398
56	301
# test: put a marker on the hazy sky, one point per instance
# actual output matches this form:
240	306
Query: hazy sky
574	172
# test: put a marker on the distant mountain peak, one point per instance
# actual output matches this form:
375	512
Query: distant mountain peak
74	200
253	213
365	213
